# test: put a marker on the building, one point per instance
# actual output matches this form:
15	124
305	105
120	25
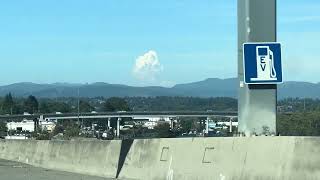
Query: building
19	137
217	126
24	126
151	122
29	125
47	125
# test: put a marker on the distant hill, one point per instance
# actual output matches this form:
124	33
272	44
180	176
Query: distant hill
212	87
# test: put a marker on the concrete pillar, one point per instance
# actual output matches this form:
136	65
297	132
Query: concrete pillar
118	127
171	123
256	103
109	123
230	128
41	118
207	125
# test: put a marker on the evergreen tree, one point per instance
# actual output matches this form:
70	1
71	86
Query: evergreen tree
84	106
31	105
116	104
8	104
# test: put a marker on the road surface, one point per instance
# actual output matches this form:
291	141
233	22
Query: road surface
17	171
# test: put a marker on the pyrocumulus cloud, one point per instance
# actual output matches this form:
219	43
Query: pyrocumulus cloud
147	66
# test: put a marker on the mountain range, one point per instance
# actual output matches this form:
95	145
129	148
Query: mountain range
212	87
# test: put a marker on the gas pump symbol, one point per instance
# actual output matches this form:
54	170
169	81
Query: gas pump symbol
265	65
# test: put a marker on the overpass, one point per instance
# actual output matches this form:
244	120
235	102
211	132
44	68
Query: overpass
119	115
130	114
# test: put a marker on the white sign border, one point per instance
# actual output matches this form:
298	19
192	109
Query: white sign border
243	63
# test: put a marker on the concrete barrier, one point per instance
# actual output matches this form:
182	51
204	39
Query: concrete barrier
86	157
277	158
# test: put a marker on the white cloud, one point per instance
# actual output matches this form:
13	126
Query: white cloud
147	67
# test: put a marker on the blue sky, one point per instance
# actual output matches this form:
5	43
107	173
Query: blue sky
143	42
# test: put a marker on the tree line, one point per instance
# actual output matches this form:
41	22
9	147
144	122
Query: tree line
19	105
178	103
10	105
300	117
31	104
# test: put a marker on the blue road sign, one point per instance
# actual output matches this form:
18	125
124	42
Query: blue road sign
262	63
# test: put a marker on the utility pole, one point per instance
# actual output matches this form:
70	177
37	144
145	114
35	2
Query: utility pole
256	102
78	105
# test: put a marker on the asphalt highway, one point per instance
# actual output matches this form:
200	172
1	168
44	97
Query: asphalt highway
17	171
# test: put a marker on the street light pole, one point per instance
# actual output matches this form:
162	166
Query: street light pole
78	105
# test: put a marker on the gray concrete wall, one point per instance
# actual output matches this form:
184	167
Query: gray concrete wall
283	158
98	158
240	158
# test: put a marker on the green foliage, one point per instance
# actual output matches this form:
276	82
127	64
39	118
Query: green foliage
299	124
31	105
186	124
71	129
44	136
70	104
116	104
72	132
48	106
299	105
8	104
266	130
44	107
58	129
163	130
167	103
11	106
3	129
84	106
